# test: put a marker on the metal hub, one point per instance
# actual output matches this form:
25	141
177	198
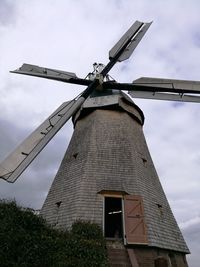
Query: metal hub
96	74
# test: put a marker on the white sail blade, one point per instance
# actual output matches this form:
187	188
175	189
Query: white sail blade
52	74
22	156
134	34
34	70
164	96
167	85
136	39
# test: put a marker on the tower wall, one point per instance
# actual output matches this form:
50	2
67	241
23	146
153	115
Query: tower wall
108	153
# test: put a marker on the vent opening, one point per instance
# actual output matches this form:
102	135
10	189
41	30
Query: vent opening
160	208
75	155
58	204
144	161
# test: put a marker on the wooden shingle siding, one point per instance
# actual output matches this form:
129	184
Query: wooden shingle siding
111	155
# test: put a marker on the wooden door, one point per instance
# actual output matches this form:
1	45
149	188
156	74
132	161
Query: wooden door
135	228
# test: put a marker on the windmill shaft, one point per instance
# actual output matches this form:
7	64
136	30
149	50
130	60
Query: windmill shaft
90	89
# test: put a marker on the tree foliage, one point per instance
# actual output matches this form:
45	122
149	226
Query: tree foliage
26	240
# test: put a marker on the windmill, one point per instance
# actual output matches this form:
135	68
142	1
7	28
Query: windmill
107	175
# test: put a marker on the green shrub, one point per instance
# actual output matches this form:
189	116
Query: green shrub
27	241
89	244
87	230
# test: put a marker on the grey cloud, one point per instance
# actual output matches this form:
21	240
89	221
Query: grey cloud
192	237
10	136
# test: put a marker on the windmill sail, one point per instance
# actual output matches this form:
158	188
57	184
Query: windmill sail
164	96
52	74
23	155
166	89
17	162
135	34
160	89
169	85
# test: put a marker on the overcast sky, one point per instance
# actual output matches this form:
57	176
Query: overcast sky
73	34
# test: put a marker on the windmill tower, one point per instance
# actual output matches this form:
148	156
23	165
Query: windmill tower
107	175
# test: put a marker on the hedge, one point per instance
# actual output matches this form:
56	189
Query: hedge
26	240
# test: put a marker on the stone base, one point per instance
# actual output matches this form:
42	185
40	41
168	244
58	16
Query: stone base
155	257
139	256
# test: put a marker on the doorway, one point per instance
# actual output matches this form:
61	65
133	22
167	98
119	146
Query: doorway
113	217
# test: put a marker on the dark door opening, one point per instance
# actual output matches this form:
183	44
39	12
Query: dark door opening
113	217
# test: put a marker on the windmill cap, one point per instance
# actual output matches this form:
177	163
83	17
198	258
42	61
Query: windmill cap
116	100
